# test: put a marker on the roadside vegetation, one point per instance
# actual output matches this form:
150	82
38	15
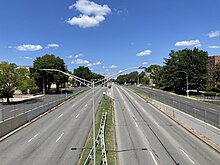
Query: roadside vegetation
105	106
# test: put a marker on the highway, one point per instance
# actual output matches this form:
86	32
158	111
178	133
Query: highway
146	136
199	109
48	141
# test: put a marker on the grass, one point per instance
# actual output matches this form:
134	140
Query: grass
105	106
141	94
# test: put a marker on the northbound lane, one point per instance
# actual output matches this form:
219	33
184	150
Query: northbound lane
139	125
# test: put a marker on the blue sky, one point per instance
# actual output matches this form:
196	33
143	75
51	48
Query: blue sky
106	35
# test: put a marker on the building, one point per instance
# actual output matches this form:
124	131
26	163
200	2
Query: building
212	61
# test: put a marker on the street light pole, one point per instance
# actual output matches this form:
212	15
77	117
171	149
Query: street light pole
93	120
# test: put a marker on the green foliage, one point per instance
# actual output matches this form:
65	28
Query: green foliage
25	83
83	72
155	73
130	78
193	62
213	89
49	62
210	94
8	80
217	73
86	73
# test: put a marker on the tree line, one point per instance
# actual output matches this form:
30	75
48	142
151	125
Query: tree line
14	78
181	65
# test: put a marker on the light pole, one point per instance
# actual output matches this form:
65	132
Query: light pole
92	86
187	82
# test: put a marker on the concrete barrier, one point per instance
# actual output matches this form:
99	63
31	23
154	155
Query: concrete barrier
205	129
11	124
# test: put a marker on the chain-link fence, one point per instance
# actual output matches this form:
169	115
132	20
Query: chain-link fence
37	104
205	113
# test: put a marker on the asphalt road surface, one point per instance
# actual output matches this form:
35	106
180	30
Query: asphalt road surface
146	136
199	109
48	141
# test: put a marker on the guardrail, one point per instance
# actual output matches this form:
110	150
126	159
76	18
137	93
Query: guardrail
101	137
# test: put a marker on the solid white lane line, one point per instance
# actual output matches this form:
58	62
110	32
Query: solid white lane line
187	156
156	123
14	110
153	158
60	116
77	116
213	109
196	109
59	137
136	124
33	137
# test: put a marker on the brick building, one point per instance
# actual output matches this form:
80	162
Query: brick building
212	61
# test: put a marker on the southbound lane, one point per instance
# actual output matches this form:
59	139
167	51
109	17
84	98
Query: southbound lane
49	140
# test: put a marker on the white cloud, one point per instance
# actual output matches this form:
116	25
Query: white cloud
214	47
213	34
109	67
89	65
144	53
189	43
92	14
28	58
97	63
53	46
144	63
10	47
85	21
76	56
80	62
29	47
121	12
94	64
90	8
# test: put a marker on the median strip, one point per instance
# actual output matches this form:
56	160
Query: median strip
110	144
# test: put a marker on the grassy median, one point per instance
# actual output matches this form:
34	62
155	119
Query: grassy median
105	106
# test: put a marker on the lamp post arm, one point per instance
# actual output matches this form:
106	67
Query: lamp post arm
70	75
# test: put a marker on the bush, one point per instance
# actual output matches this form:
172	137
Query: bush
213	89
210	94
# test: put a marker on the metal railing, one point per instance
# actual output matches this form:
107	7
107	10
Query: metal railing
101	137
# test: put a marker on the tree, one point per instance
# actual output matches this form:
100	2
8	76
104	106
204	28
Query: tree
155	73
193	62
8	80
25	82
217	74
49	62
130	78
85	73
